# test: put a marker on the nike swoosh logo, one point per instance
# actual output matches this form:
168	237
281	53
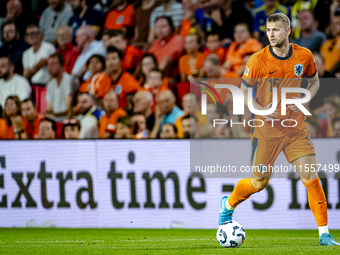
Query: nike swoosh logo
272	72
321	202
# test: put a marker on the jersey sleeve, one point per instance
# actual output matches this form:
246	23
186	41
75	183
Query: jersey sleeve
311	67
251	72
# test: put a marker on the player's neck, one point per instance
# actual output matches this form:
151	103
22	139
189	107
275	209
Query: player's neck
283	51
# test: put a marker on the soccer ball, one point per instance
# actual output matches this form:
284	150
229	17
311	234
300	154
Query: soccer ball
230	234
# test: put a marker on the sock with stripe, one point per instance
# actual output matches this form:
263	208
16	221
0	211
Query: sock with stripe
318	204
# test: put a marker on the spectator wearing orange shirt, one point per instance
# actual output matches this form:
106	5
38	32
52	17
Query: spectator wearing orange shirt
121	17
168	48
191	63
131	55
96	64
32	117
330	49
122	82
242	46
66	48
213	43
107	126
12	126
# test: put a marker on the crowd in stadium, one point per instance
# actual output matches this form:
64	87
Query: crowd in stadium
80	69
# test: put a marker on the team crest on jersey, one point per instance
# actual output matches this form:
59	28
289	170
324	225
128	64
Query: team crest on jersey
120	19
246	71
118	89
298	69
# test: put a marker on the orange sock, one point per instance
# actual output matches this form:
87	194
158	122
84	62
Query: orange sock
317	202
242	192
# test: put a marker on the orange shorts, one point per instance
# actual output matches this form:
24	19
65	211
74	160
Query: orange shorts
265	152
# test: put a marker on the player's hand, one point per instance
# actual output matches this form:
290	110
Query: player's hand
269	116
294	108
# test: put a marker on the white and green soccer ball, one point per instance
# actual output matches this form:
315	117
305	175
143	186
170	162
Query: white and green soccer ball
230	234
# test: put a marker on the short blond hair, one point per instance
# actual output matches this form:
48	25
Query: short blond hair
279	17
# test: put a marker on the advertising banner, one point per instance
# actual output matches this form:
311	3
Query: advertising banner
150	184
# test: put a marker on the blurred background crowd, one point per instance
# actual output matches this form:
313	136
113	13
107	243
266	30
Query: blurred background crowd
75	69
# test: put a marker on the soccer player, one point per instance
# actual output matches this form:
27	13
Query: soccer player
280	65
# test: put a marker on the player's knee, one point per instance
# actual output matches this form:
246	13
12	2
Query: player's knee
259	183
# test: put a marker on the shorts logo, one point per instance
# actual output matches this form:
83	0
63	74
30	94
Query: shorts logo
120	19
298	69
118	89
246	71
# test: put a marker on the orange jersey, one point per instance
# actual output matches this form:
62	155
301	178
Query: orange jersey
237	51
132	57
6	132
125	84
330	50
220	52
108	124
117	20
90	84
184	64
266	70
33	130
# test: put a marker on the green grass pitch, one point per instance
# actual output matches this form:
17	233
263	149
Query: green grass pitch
157	241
